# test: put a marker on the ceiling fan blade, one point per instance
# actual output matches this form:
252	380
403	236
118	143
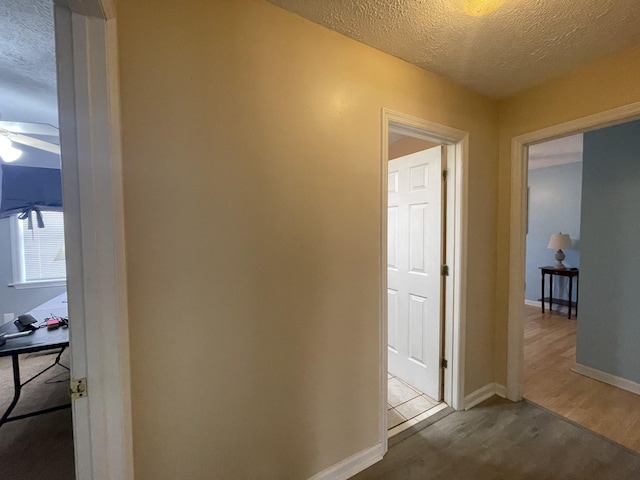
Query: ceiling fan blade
35	143
29	128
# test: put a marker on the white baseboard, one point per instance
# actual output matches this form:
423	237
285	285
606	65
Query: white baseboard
601	376
538	304
501	390
480	395
348	467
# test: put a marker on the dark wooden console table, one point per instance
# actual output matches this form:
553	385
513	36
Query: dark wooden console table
571	273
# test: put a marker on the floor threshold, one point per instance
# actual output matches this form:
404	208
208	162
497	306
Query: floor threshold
422	421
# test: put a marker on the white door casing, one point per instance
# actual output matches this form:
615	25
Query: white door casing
518	226
414	258
86	54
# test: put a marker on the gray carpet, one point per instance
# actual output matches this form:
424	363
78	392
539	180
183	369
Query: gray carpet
504	440
40	447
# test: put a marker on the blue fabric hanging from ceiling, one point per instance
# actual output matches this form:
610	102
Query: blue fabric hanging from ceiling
30	190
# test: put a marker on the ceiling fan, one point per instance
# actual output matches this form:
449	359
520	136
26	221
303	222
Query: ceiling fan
21	133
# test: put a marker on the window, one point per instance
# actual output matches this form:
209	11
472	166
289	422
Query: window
38	254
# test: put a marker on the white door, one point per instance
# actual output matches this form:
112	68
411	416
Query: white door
414	269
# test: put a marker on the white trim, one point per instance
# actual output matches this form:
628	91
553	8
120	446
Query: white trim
17	249
352	465
536	303
501	390
605	377
455	283
94	235
480	395
455	317
38	284
383	368
517	242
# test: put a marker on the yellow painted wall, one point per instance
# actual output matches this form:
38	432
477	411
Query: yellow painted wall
251	163
602	86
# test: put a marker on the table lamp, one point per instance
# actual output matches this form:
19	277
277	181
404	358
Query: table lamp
560	241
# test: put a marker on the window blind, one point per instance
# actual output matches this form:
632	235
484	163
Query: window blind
41	246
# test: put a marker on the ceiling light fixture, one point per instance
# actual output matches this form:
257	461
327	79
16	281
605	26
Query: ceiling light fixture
7	151
480	8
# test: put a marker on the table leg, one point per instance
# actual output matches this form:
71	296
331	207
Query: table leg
17	387
570	295
550	292
577	292
542	290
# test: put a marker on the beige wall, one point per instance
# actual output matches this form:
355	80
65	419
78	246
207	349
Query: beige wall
251	151
407	146
610	83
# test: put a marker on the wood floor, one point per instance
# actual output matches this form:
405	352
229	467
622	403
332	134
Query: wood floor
550	346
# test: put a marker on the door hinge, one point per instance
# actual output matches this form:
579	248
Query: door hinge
444	363
445	270
78	388
445	173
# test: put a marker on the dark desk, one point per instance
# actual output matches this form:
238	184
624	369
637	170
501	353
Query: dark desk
571	273
41	339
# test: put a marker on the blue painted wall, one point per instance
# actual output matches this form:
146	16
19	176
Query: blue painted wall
609	318
554	206
13	300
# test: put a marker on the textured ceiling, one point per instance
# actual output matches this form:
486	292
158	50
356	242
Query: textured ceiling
523	43
556	152
27	62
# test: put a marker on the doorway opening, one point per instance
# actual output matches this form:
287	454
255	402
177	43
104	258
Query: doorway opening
86	70
89	121
415	257
422	259
554	193
35	357
565	378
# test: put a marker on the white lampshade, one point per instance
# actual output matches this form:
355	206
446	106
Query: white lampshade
560	241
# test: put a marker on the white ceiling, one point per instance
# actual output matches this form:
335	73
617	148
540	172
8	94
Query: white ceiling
523	43
556	152
27	62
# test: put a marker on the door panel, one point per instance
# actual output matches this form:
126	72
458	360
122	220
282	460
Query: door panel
414	260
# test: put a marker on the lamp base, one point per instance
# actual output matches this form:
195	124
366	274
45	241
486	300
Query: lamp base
560	256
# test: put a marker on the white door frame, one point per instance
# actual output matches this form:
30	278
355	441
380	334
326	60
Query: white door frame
517	241
456	238
94	234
